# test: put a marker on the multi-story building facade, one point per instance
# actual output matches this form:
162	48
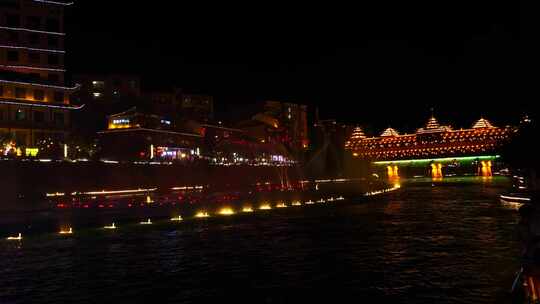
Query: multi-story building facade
327	142
103	95
292	124
107	88
183	105
34	96
135	134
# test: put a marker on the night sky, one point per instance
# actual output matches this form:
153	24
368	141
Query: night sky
376	65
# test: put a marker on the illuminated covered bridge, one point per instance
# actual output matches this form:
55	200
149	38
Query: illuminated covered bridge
434	148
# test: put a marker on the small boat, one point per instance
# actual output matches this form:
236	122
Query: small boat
281	205
296	203
331	199
69	231
321	201
515	200
15	238
111	227
147	222
310	202
341	198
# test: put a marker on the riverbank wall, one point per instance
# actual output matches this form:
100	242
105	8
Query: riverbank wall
25	182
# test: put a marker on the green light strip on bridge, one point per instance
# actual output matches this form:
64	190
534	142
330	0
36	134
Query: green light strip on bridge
441	160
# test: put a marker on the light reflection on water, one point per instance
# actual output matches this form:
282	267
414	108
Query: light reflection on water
443	244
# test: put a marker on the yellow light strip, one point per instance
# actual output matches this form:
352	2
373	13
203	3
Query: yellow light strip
120	191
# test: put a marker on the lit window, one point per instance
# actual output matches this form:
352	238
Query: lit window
59	96
13	20
52	41
53	59
33	22
53	25
54	78
13	36
39	94
20	93
13	56
20	115
96	94
39	117
59	118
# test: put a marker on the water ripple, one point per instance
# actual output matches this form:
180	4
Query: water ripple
419	245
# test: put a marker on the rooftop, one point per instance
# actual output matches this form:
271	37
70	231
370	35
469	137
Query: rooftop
482	123
389	132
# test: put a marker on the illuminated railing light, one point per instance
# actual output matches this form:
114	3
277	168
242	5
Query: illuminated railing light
15	238
187	188
110	227
41	105
55	194
26	67
377	192
445	159
515	198
110	161
30	30
176	219
120	191
31	49
147	222
54	2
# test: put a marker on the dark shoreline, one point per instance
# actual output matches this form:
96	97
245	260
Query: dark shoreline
51	218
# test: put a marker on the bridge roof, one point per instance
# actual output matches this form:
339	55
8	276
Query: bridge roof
482	123
389	132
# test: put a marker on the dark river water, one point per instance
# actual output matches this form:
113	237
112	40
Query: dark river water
449	243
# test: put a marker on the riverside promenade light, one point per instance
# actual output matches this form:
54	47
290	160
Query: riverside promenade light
110	227
68	231
226	211
15	238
